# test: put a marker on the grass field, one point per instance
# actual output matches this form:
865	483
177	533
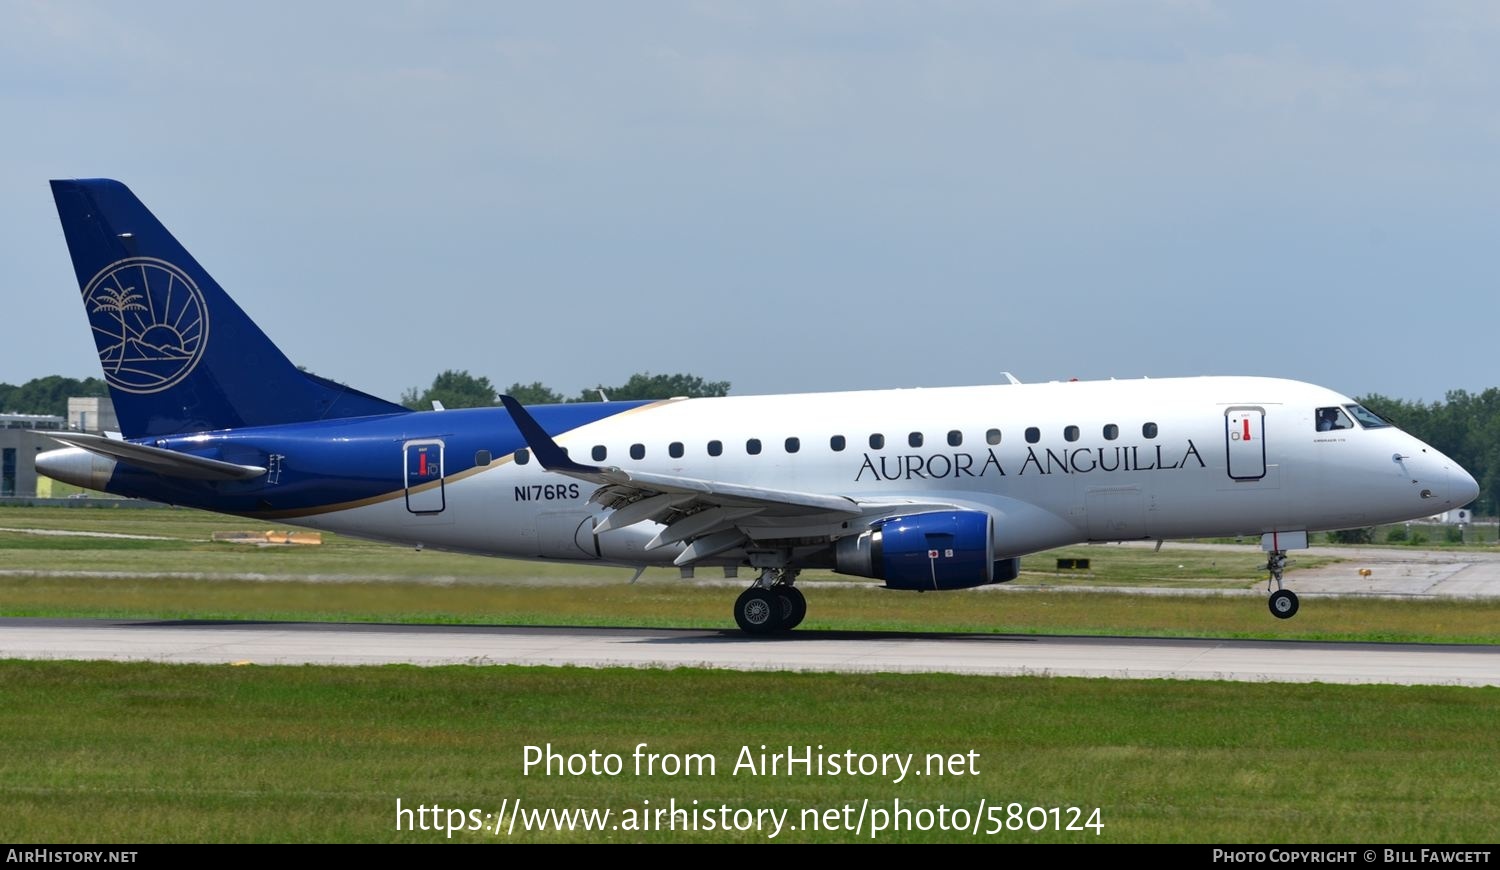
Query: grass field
179	542
100	752
669	605
179	573
104	752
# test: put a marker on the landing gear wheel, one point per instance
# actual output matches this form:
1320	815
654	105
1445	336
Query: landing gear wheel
758	611
1284	604
793	606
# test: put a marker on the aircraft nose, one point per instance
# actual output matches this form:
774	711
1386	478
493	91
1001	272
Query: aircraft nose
1462	485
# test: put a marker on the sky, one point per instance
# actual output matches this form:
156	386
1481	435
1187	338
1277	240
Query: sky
790	196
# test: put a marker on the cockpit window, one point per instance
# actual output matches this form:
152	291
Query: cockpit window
1367	418
1332	418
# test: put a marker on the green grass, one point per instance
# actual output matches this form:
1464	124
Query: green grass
101	752
186	548
105	752
835	607
1117	565
187	576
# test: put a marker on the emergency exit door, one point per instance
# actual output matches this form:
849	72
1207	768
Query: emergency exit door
424	476
1244	437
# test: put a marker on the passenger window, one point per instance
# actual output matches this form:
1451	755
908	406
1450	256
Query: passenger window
752	447
992	437
914	439
1111	432
1333	418
1149	430
1033	434
836	443
715	448
600	453
482	457
793	445
523	456
674	450
1071	433
637	451
877	441
955	438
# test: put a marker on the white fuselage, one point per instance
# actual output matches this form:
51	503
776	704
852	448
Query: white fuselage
1052	463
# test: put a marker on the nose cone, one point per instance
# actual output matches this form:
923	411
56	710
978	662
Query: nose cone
1456	487
1462	486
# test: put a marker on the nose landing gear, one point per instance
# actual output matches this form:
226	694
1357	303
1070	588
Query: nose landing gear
1283	601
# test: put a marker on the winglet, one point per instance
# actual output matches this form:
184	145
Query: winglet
547	452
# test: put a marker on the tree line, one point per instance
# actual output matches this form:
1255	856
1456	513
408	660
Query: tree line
47	395
1464	425
455	389
459	389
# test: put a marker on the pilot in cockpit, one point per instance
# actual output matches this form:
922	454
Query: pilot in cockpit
1332	418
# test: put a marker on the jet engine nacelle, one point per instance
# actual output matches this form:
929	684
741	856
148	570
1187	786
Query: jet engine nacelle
938	550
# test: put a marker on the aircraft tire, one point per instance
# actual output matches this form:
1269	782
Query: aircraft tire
1284	604
758	611
793	606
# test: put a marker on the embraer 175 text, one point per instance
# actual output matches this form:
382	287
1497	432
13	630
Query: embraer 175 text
924	489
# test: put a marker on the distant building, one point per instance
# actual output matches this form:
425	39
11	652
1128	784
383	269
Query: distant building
21	439
92	415
19	446
31	421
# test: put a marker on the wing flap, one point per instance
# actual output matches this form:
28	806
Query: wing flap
709	545
703	523
647	507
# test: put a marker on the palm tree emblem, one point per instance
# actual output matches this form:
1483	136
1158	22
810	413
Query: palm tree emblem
150	323
117	301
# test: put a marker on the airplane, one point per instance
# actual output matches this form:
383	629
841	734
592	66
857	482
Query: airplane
924	489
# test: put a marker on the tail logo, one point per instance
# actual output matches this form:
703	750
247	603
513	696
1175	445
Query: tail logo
150	323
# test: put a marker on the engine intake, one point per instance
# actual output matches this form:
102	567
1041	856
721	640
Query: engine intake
938	550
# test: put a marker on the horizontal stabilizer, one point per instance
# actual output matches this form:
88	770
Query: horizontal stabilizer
168	463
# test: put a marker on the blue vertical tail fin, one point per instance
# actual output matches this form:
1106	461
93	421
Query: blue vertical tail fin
178	354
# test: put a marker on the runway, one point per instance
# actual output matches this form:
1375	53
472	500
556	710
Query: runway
273	643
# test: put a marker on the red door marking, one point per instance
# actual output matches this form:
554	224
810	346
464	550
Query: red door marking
1247	428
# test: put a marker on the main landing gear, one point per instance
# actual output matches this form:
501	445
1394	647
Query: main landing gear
1283	602
773	604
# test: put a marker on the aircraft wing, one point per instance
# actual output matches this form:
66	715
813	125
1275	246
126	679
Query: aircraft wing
712	516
